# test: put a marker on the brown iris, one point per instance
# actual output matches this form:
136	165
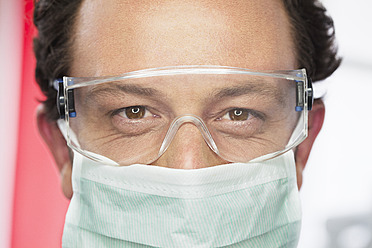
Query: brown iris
238	114
135	112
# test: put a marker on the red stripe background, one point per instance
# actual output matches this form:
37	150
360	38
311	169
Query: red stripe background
39	205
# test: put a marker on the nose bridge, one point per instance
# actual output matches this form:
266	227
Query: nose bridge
188	145
178	122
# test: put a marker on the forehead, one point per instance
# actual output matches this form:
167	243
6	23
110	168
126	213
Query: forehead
116	36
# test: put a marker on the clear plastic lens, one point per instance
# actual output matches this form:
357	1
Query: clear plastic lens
242	115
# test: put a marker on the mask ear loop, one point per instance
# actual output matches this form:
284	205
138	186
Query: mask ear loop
62	127
176	124
67	133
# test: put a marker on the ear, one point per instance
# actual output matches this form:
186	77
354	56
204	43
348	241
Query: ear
316	118
57	145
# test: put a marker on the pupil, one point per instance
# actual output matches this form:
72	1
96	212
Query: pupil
238	112
136	112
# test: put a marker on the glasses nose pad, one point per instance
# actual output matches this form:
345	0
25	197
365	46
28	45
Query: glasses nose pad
176	124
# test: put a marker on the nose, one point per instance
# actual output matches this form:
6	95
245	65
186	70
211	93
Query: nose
188	150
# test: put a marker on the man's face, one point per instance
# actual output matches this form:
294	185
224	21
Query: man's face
115	36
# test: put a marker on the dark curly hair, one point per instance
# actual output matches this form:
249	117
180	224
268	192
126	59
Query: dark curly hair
312	31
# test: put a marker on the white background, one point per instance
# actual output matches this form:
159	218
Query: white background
338	179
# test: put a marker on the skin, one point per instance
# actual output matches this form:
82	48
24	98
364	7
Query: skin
133	35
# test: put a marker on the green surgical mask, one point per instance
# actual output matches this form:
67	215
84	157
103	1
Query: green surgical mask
231	205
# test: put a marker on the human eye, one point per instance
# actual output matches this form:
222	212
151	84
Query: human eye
240	122
241	114
133	112
136	120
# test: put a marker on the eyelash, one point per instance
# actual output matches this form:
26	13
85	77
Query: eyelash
122	112
225	115
251	113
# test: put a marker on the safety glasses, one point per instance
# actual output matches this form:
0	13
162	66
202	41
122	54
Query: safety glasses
242	115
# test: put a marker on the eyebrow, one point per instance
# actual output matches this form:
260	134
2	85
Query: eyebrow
114	89
218	94
249	88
